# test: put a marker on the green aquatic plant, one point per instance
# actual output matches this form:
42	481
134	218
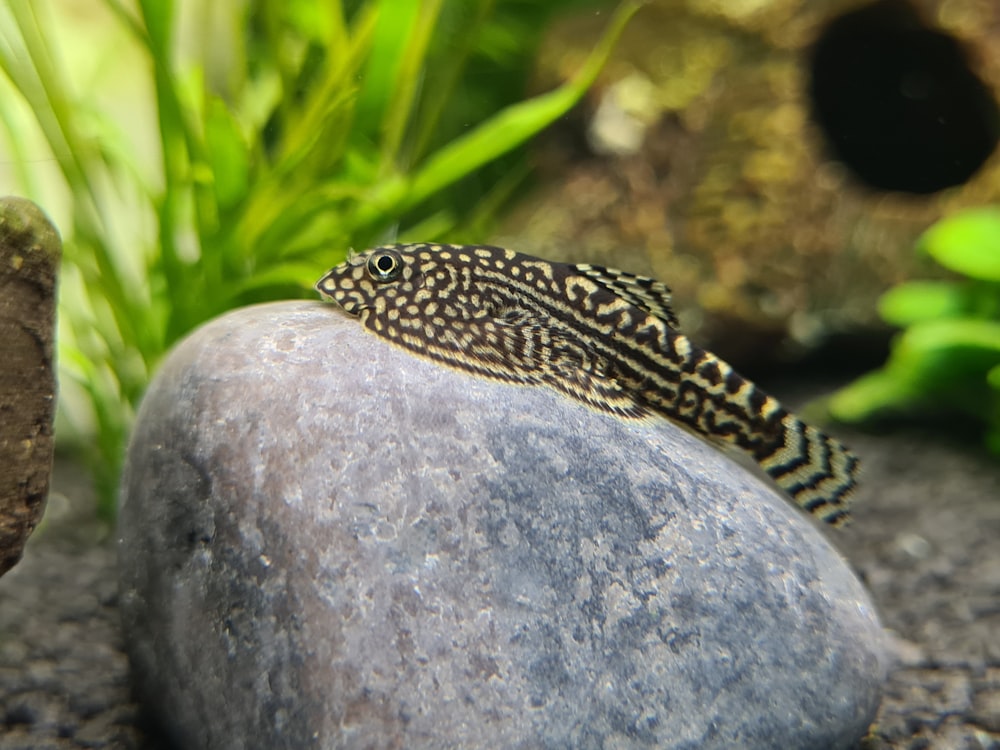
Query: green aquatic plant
948	356
285	134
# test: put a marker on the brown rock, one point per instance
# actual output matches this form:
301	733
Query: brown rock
29	256
987	713
708	168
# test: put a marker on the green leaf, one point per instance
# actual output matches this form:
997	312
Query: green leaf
440	224
396	23
939	362
320	22
993	378
15	145
871	394
159	18
517	123
941	352
405	87
968	243
228	155
303	275
504	131
993	440
917	301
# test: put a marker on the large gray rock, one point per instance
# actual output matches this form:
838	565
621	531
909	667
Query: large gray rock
326	542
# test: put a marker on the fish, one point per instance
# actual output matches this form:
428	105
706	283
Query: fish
603	337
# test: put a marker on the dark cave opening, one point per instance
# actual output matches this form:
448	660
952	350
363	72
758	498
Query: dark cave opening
897	101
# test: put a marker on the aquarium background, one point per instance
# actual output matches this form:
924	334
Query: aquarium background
776	163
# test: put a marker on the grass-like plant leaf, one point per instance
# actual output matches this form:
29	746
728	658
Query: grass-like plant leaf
325	126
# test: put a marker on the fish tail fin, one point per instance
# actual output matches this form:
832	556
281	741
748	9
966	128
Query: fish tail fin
817	471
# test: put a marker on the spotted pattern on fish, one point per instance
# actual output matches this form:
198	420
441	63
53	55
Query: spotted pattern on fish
604	337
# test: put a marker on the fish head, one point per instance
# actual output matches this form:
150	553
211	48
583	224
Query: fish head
411	279
364	281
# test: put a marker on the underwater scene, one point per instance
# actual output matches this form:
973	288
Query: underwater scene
500	374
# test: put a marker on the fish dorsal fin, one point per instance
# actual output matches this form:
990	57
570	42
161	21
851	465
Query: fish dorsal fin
648	294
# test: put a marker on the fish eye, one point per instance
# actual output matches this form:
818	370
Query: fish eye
385	265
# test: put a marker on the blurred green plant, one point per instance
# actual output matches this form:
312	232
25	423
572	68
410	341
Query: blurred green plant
948	358
325	126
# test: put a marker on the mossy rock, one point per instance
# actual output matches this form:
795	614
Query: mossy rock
29	258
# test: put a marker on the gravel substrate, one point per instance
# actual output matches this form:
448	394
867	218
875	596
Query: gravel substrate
926	540
928	546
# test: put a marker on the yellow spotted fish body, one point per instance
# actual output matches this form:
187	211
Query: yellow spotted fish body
604	337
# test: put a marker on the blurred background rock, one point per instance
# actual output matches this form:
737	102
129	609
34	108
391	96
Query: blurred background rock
772	160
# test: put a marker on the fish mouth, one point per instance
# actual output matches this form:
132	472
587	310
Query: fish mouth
344	301
328	291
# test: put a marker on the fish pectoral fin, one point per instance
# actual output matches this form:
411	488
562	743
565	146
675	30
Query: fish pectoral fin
564	362
602	393
586	376
514	316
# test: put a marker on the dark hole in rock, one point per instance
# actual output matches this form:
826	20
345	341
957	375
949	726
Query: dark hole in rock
897	101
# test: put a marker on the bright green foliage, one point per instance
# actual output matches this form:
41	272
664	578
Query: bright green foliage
326	126
948	356
968	243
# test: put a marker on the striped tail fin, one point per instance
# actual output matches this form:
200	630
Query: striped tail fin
817	471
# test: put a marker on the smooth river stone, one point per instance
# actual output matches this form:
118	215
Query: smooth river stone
327	542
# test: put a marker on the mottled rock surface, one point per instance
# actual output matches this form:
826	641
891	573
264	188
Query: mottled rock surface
29	258
327	542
